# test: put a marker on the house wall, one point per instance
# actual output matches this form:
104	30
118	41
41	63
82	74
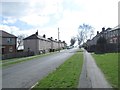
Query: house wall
51	45
112	36
8	45
60	46
8	49
0	40
0	43
55	45
8	41
41	45
48	45
31	45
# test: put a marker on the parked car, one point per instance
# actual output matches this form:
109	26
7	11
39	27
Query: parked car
70	47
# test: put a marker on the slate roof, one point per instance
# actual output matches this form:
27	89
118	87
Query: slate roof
34	36
6	34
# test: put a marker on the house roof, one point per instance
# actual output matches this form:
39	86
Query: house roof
6	34
35	36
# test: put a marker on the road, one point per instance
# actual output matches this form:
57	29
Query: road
26	74
91	76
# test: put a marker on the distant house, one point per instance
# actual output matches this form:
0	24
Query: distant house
9	42
40	44
112	37
36	43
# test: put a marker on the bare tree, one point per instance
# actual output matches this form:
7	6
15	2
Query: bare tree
85	32
20	40
80	37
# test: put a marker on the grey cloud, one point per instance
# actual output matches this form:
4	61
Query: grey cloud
14	9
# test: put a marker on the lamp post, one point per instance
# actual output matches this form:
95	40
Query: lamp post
58	40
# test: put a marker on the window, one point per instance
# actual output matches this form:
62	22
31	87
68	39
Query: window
9	40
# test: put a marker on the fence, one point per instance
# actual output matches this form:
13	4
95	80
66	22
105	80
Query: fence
17	55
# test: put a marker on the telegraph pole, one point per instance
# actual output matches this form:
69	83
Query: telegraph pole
58	40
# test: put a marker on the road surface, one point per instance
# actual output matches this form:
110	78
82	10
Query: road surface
26	74
91	76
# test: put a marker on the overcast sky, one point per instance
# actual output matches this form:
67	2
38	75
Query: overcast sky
28	16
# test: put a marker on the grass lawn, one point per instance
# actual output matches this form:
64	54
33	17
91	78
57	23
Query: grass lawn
108	63
19	60
65	76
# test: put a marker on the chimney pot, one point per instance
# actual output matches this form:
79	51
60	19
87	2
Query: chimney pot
103	29
44	36
36	32
97	32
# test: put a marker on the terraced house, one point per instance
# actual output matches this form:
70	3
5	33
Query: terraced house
9	42
40	44
112	37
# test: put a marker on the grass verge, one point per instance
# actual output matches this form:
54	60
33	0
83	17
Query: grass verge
65	76
108	63
9	62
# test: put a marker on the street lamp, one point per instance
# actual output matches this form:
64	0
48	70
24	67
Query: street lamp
58	40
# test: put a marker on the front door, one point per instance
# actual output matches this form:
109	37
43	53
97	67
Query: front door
3	50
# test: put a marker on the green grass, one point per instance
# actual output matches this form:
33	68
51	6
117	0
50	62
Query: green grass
9	62
108	63
65	76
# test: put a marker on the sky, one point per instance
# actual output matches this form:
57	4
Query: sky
27	16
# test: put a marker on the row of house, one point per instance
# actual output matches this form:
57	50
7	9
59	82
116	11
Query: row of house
40	44
34	43
111	35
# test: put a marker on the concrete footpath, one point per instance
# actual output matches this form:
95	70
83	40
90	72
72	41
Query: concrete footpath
91	76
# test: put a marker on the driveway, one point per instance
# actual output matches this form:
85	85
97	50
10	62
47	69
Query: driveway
26	74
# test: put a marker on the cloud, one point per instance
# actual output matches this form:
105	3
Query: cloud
14	9
41	7
9	29
35	20
9	20
34	12
17	31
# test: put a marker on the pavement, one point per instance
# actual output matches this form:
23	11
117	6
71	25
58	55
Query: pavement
91	76
26	74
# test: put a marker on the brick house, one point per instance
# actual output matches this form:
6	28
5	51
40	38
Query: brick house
112	37
9	42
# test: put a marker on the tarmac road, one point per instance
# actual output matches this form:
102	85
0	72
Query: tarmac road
26	74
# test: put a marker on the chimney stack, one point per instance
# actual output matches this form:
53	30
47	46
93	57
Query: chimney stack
59	40
36	32
103	29
44	36
97	32
51	38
